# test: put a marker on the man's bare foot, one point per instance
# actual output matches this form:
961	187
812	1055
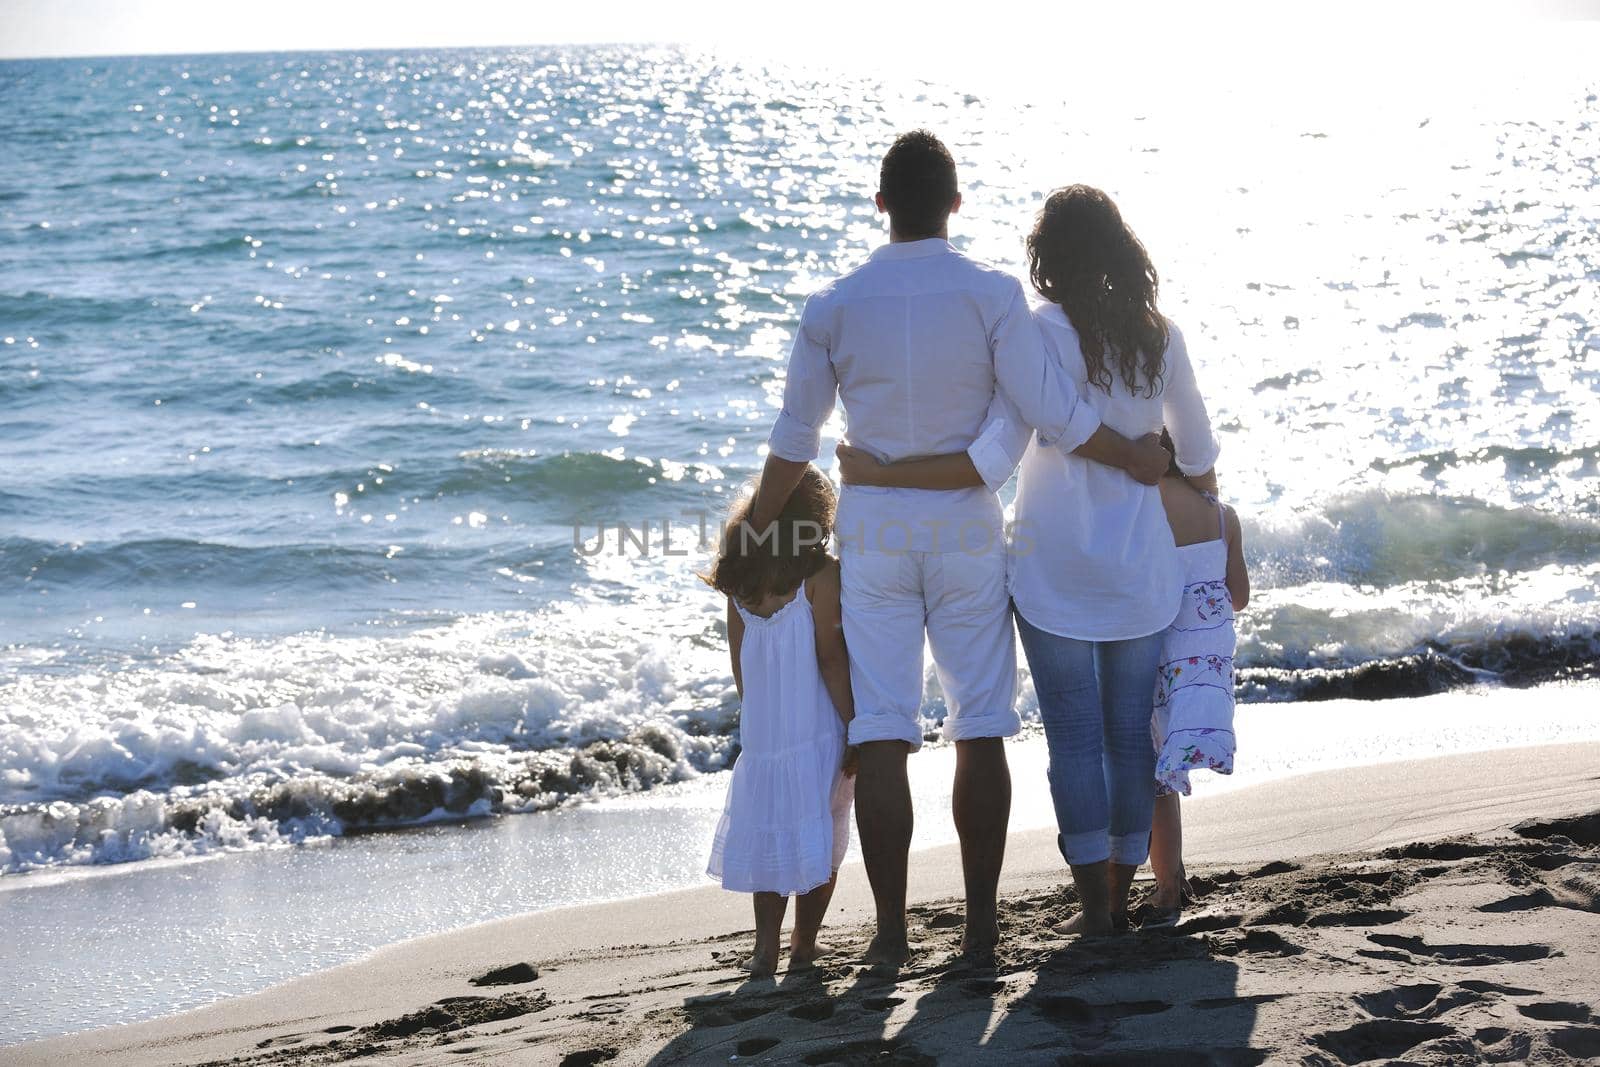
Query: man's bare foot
1085	925
978	946
885	951
804	957
760	966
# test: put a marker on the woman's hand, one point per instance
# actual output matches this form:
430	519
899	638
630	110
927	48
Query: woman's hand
1148	459
857	467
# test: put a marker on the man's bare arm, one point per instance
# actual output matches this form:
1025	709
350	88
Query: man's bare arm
949	470
1144	459
778	479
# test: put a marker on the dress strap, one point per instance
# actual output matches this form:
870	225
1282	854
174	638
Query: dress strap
1222	516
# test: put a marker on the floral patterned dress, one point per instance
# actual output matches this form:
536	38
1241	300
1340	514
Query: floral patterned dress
1193	721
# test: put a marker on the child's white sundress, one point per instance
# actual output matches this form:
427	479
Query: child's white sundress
786	821
1193	721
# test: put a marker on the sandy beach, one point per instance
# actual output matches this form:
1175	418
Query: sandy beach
1446	910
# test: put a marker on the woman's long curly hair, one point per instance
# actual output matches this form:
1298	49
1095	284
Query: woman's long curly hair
752	564
1083	257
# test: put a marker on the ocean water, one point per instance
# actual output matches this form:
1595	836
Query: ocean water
339	392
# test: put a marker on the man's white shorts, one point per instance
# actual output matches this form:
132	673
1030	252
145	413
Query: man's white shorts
889	599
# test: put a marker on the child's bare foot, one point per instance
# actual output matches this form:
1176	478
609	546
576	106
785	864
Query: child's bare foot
885	951
760	966
1166	897
1085	925
804	957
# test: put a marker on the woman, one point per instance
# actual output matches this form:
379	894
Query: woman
1095	576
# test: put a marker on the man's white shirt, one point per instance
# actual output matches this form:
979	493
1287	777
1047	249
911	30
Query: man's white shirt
917	342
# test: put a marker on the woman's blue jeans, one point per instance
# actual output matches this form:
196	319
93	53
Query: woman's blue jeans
1096	698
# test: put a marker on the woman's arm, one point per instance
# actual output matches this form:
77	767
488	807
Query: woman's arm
833	661
1238	575
951	470
735	644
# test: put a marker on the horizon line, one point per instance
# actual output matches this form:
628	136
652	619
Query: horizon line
341	50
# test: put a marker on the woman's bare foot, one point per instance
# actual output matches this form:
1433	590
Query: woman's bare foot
760	966
886	952
1085	925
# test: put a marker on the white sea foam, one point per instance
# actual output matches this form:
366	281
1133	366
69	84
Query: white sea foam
234	743
237	743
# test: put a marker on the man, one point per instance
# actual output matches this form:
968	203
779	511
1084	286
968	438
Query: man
916	342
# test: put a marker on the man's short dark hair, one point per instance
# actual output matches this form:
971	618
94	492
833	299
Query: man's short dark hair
918	183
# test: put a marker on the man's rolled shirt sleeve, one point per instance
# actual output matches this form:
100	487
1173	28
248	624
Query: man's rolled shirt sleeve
809	393
1035	382
1000	443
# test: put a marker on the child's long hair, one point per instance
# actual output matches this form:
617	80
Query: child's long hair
753	564
1084	258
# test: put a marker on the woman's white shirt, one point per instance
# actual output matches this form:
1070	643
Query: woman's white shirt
1092	556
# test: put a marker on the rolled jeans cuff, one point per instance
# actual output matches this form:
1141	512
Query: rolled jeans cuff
1130	849
1082	849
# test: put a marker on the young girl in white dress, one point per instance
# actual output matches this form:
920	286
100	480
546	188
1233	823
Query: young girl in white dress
786	822
1193	721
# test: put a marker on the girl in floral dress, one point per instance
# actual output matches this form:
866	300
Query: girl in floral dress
1193	721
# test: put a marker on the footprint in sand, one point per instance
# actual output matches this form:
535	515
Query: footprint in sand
589	1057
1224	1003
1084	1013
1580	829
1420	1001
814	1012
1495	987
723	1011
1577	888
1255	942
1558	1011
1358	917
1497	1044
1582	1042
453	1013
513	974
1380	1039
1456	955
755	1046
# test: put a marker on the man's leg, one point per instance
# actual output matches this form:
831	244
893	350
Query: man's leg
881	606
974	650
883	818
982	808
